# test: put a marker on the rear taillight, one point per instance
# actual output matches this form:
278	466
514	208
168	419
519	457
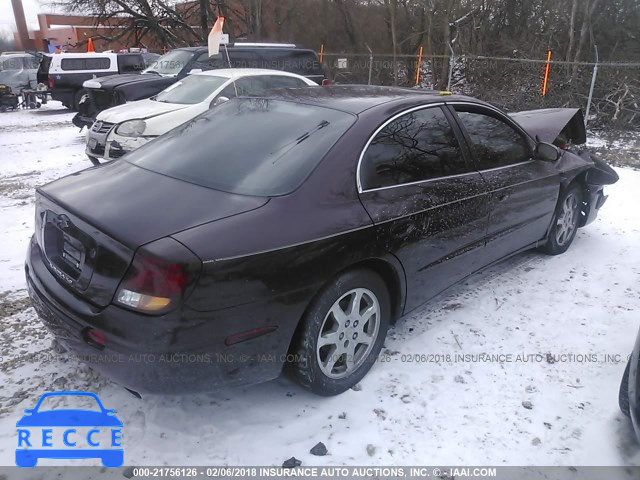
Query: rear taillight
325	82
51	82
159	277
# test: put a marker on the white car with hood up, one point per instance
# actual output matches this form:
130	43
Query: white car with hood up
124	128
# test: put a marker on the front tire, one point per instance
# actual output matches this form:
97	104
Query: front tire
565	222
342	333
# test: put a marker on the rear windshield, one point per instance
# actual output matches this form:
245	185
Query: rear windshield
248	146
191	90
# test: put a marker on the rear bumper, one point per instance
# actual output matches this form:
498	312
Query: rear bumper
181	352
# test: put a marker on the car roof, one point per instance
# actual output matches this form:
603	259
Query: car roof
84	54
245	72
241	46
358	98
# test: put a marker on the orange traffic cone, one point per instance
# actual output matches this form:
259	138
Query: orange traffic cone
90	45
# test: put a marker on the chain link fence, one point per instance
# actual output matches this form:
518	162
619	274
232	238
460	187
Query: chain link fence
510	83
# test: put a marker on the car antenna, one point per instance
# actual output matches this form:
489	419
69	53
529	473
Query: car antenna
233	77
215	40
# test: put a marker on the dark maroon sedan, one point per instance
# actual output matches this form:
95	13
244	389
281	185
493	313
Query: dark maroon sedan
293	230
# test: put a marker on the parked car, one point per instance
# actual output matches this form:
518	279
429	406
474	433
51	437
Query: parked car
64	73
124	128
293	228
175	65
18	70
629	396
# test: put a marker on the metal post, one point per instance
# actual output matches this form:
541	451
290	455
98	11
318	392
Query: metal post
451	62
418	65
593	84
370	62
545	78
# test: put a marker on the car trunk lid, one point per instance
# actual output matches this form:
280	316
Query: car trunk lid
89	224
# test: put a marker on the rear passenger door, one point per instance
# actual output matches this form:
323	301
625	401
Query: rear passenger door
524	191
430	206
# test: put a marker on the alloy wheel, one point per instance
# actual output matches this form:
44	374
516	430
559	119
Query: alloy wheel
567	220
348	333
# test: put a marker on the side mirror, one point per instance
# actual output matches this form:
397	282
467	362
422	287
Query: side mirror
194	70
547	152
218	101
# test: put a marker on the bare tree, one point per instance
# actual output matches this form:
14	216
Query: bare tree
138	18
589	7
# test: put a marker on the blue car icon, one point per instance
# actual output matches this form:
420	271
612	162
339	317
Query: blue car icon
69	418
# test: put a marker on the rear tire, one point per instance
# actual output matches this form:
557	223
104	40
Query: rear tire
565	222
342	333
623	394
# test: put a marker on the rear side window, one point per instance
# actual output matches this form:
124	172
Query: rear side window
417	146
245	86
89	63
495	143
280	81
249	146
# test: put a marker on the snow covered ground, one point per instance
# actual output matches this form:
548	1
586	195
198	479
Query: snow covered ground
558	323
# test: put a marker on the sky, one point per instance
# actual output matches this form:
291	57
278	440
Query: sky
31	10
